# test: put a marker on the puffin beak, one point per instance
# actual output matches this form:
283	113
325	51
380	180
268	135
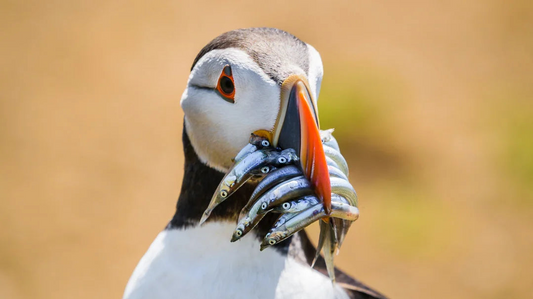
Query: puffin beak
297	127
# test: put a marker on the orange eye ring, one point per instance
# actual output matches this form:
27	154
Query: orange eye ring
226	85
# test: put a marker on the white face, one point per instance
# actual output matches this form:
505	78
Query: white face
219	129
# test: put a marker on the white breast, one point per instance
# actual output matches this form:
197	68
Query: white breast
200	262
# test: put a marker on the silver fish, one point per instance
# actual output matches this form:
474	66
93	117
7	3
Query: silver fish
344	211
344	189
332	164
329	248
274	178
338	226
276	159
324	229
244	226
336	156
321	237
297	205
248	222
328	242
255	143
291	226
341	226
293	188
283	218
267	183
306	217
335	172
256	163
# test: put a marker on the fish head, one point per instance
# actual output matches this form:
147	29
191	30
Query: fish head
260	139
288	156
238	232
262	170
226	188
264	208
273	238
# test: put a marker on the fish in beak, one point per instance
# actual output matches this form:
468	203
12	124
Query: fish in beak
297	127
295	130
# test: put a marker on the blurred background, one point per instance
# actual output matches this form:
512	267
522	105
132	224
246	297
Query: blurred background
432	102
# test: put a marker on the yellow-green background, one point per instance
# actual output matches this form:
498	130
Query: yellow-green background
432	102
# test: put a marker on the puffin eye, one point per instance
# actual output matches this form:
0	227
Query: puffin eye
226	85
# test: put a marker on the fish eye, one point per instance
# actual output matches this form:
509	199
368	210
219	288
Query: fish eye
271	242
286	205
264	205
238	233
282	160
265	143
265	169
223	193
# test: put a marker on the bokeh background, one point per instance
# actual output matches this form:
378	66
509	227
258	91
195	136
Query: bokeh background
432	102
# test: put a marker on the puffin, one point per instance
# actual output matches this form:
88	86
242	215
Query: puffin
243	81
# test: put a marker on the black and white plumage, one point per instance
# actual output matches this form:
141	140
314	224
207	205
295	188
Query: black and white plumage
191	261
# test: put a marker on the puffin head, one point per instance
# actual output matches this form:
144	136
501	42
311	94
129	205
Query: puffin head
261	80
